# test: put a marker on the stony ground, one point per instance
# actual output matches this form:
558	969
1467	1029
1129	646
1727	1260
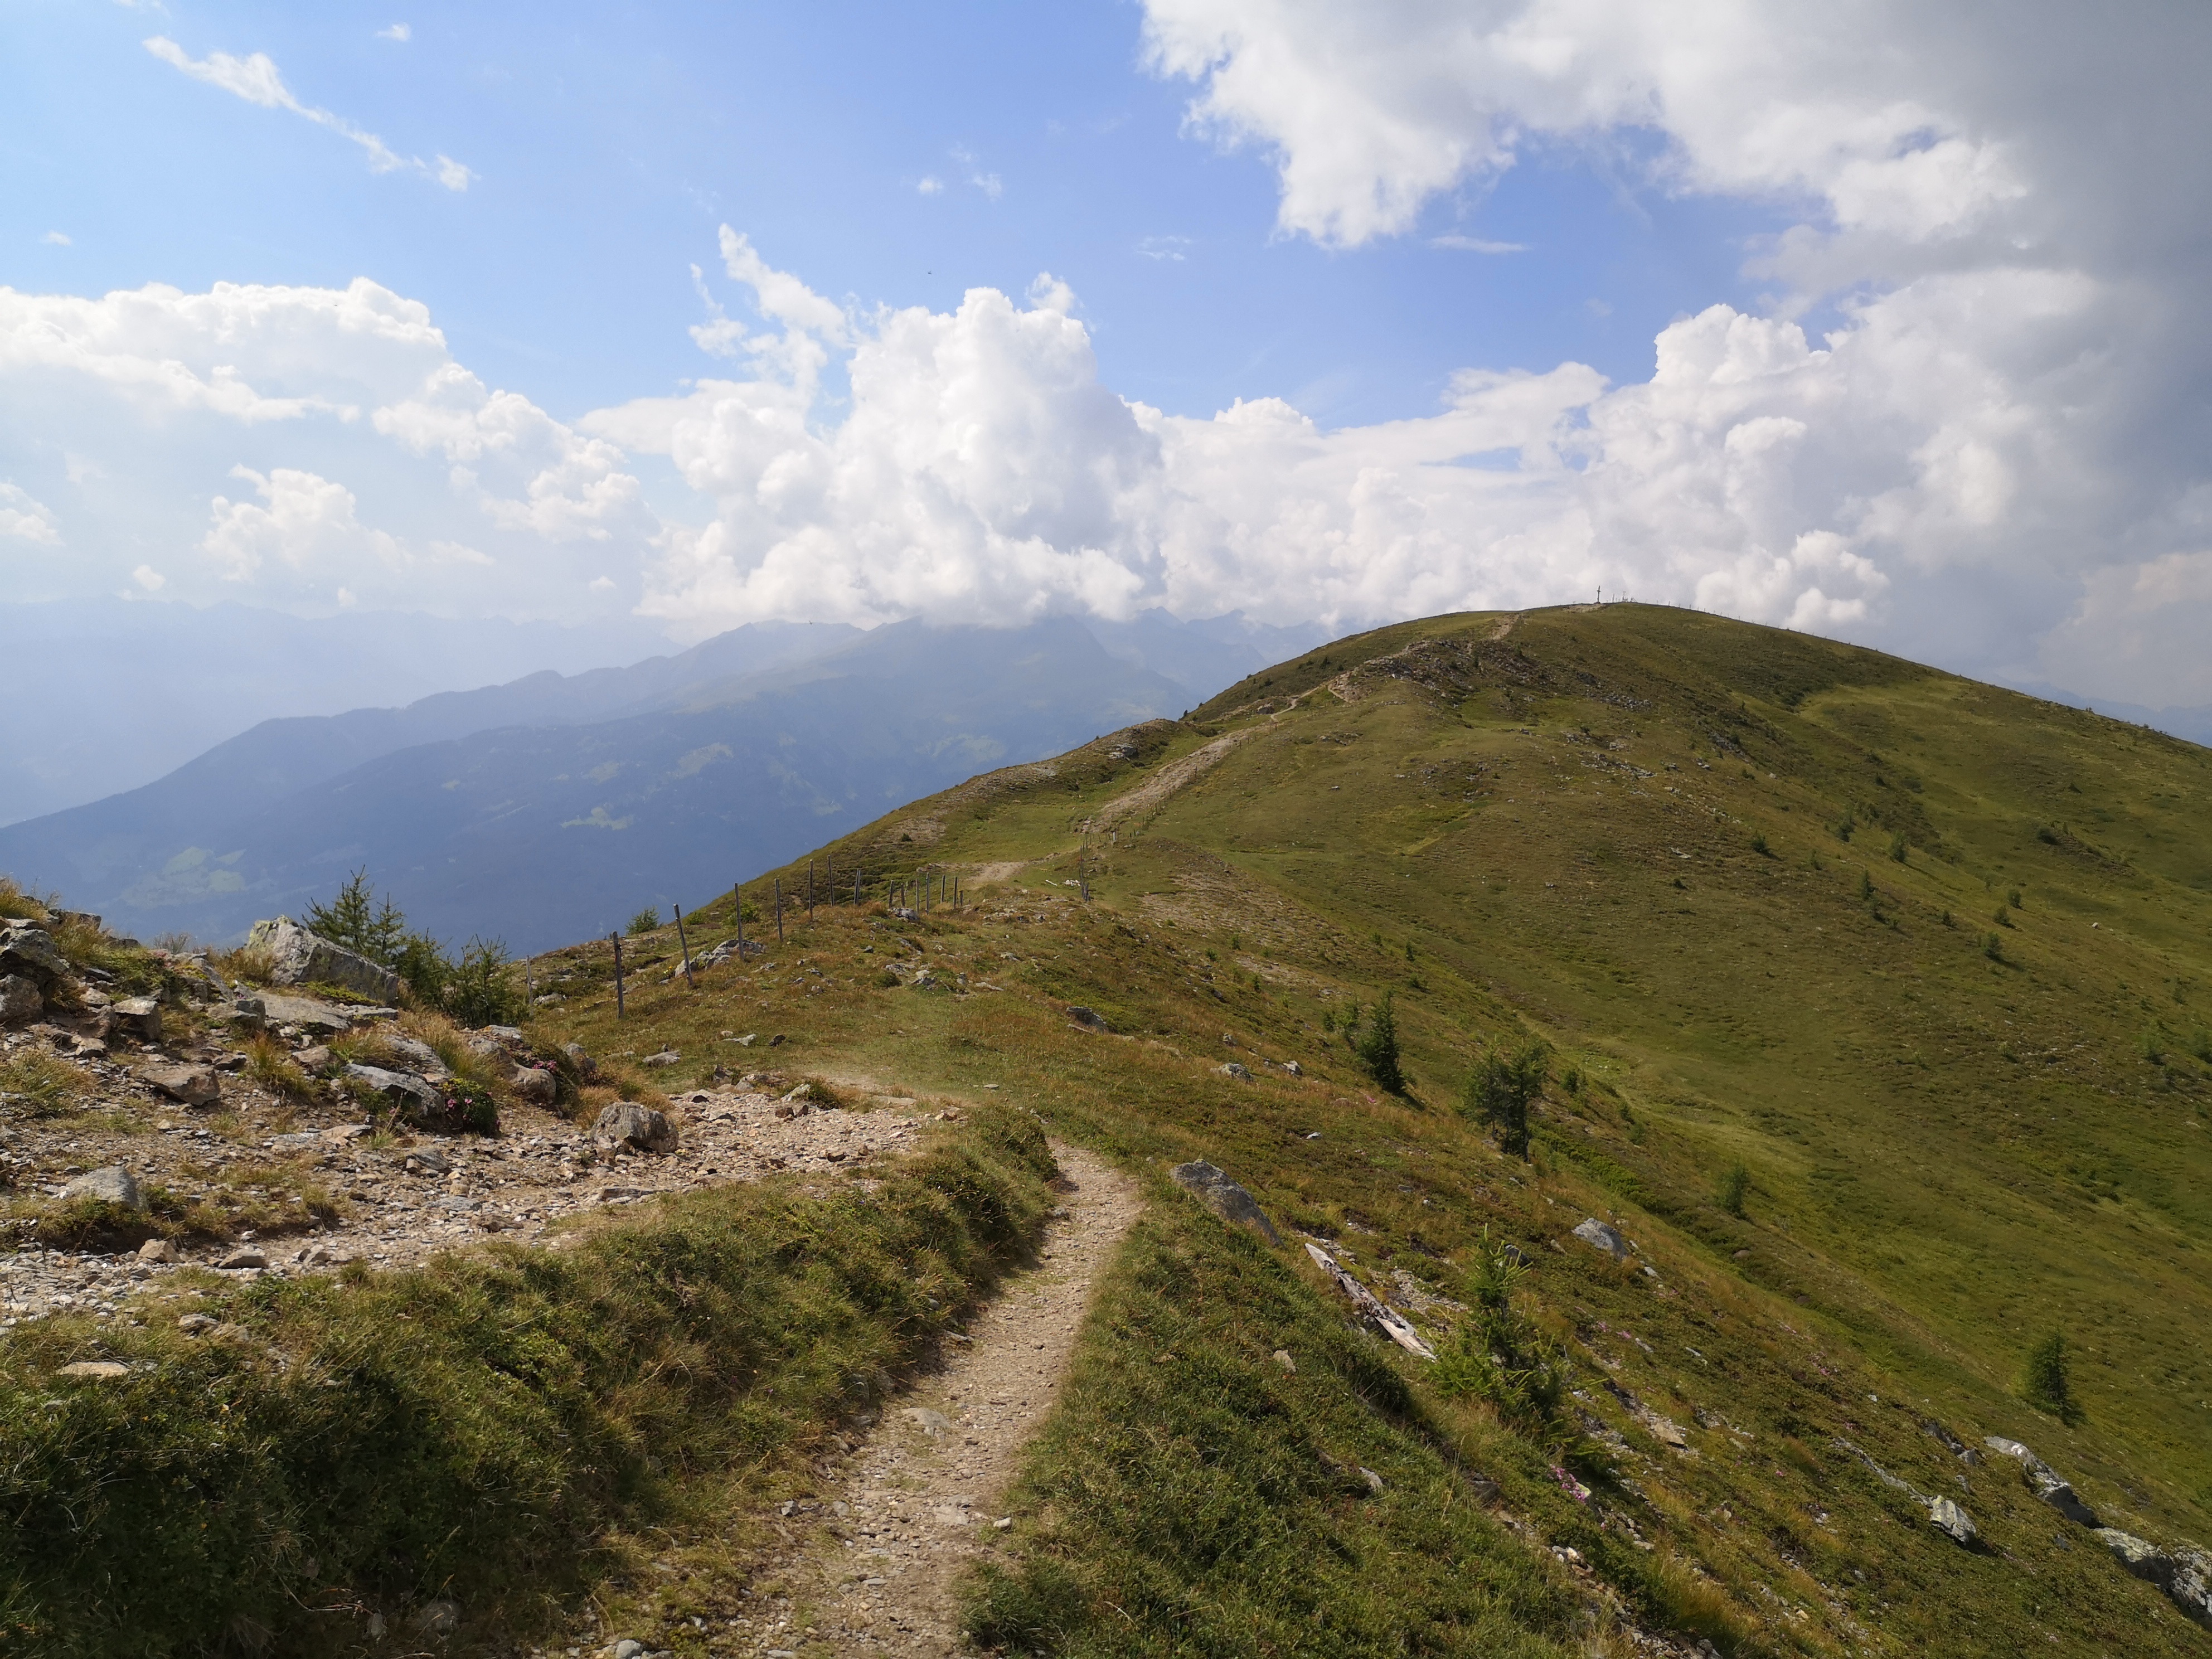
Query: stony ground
917	1495
325	1190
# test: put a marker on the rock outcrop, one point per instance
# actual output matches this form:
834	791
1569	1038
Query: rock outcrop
297	957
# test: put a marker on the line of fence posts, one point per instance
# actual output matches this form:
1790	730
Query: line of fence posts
616	938
685	946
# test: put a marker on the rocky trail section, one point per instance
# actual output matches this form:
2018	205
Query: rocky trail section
157	1110
395	1203
915	1502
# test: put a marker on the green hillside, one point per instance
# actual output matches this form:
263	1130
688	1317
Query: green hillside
1873	1007
1927	959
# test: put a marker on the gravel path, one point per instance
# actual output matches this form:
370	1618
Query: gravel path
919	1492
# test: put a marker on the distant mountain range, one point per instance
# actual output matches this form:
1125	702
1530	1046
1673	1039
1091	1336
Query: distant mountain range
556	807
105	694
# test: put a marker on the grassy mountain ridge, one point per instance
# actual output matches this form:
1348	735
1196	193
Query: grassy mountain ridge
1747	884
1744	885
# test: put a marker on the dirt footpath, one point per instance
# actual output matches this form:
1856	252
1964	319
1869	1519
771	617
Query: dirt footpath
919	1496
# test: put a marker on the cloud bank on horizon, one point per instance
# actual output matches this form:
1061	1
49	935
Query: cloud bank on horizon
1968	423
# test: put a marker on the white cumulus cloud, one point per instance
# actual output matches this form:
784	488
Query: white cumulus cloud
2001	441
25	518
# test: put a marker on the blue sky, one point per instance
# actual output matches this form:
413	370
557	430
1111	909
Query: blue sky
608	144
1881	322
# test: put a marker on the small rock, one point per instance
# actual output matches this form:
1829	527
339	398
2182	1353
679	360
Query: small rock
193	1085
2046	1483
1374	1480
98	1370
309	1014
31	952
113	1185
1293	1068
638	1126
1088	1018
1953	1523
20	1000
157	1250
1233	1069
1283	1359
1224	1197
247	1257
1003	1522
586	1067
931	1423
141	1016
427	1160
665	1057
1595	1232
626	1649
197	1324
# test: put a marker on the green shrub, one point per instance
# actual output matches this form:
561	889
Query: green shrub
1866	885
1993	947
1897	848
2011	898
360	922
1500	1355
1378	1048
2045	1383
1758	845
2153	1046
466	1107
1499	1092
1734	1183
644	922
482	987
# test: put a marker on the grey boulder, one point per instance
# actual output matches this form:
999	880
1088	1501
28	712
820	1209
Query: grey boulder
20	1000
2186	1575
642	1126
403	1091
534	1085
112	1185
1212	1188
1088	1018
2044	1482
297	957
1597	1234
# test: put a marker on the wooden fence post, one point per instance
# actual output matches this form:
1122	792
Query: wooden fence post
684	944
616	938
